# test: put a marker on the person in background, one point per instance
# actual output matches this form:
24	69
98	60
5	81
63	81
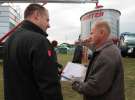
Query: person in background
78	53
59	66
29	72
104	78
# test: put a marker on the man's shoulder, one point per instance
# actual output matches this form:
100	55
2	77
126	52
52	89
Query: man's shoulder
111	51
30	34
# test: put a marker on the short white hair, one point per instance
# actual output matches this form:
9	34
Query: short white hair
102	24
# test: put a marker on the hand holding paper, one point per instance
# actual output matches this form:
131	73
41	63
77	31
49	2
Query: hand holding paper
73	71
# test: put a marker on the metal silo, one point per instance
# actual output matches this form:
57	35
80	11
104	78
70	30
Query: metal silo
110	15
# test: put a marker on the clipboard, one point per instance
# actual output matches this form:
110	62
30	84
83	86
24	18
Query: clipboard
72	71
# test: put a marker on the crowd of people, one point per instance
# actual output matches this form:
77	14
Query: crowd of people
32	71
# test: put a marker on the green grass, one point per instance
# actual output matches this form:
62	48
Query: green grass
1	83
129	69
69	94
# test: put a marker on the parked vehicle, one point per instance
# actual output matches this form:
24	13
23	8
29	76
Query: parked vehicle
127	44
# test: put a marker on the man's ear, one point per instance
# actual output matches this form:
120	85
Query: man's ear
36	15
102	32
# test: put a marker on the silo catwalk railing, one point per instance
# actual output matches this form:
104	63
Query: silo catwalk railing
50	1
10	32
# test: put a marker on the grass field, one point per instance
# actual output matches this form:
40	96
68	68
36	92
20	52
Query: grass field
69	94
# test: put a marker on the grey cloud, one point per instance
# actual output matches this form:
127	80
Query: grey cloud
65	18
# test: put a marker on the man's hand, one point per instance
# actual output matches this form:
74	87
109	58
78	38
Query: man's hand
77	85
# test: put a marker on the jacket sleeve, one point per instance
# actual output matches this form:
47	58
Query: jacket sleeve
101	78
45	72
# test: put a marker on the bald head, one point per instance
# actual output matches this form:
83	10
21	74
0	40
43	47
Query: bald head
38	15
32	8
99	33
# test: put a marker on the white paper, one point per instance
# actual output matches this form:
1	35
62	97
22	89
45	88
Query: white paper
73	70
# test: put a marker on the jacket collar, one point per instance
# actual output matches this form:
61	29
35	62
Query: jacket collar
32	27
106	44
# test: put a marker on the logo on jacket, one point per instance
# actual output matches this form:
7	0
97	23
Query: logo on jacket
49	53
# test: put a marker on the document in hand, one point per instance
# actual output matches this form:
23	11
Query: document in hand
73	71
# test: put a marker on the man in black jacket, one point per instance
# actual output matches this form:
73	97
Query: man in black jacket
77	58
78	53
29	67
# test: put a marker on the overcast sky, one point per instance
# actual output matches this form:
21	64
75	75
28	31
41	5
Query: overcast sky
65	18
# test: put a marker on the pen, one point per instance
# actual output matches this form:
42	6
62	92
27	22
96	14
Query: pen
66	77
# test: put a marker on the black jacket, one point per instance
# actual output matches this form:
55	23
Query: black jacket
29	68
77	58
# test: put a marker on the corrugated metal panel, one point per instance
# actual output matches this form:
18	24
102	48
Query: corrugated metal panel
4	19
4	24
4	8
3	30
8	19
4	13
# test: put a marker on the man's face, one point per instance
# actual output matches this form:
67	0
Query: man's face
95	36
44	21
